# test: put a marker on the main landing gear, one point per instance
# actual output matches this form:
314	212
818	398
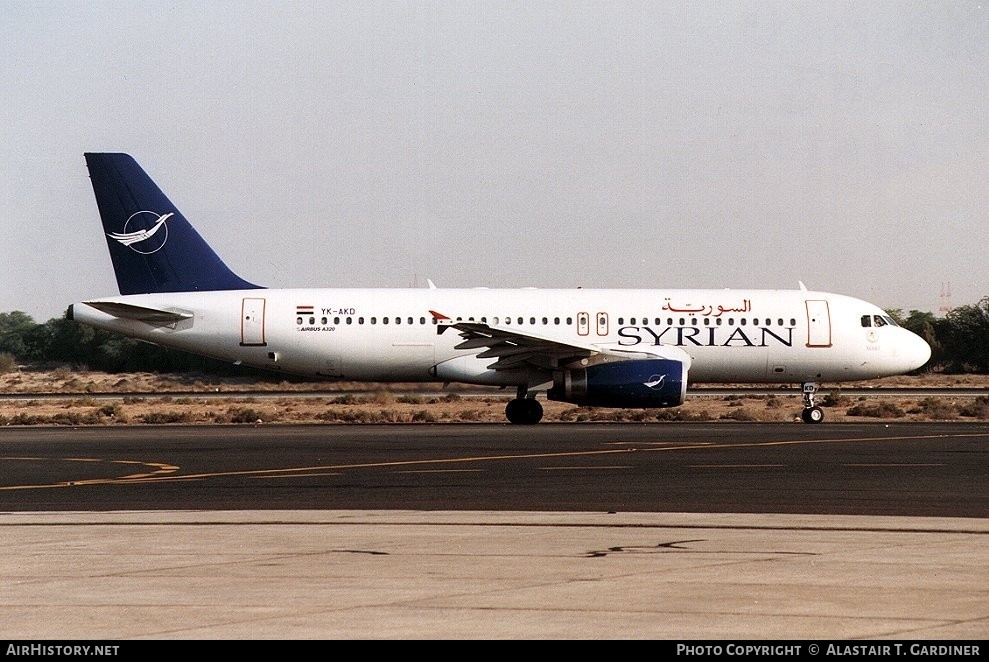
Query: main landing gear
524	410
812	413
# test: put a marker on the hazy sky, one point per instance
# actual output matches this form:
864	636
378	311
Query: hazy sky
509	144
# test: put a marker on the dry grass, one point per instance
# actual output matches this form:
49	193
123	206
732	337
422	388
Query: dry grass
143	398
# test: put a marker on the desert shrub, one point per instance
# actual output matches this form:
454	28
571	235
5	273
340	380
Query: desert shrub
62	373
75	418
333	416
423	416
410	399
568	414
160	417
878	410
979	408
834	398
678	415
774	402
346	399
246	415
471	415
739	415
114	410
383	397
21	418
935	409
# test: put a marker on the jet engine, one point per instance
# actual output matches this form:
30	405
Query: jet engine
650	383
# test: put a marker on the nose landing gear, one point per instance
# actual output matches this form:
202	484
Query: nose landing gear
811	413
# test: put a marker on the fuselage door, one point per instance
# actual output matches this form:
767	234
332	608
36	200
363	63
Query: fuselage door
818	324
602	320
252	322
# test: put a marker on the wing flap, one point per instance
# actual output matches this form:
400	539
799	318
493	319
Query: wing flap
512	348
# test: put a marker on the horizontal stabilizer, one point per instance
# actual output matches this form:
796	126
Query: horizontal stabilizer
156	316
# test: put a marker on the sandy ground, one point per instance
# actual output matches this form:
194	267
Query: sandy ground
145	398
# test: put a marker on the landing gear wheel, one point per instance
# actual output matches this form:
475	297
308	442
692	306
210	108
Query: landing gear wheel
813	415
524	411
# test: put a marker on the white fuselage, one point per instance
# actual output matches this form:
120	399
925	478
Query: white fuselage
759	336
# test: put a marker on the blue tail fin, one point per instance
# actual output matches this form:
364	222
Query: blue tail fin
152	246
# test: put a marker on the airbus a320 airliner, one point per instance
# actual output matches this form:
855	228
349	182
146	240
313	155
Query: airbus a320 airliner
593	347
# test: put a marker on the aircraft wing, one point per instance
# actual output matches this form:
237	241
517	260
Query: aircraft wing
510	347
153	316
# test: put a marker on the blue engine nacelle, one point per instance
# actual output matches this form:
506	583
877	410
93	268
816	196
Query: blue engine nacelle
638	383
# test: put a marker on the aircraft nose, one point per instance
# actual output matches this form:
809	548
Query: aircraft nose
916	351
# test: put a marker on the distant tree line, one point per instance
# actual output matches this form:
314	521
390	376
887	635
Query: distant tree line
64	342
959	344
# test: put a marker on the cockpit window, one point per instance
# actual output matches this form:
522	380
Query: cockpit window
878	320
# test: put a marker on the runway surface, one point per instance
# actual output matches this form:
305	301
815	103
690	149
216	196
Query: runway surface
669	531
